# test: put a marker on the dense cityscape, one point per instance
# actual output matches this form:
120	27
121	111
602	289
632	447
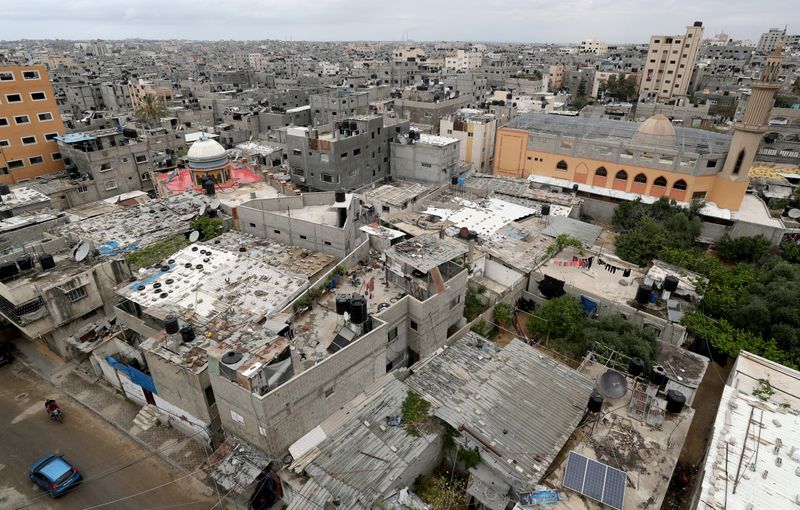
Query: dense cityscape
408	275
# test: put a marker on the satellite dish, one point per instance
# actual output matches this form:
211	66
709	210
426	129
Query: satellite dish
202	210
215	204
613	384
82	252
194	236
793	213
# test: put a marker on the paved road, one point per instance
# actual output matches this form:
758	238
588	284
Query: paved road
113	465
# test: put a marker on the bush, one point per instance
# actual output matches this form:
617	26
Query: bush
415	412
209	228
503	314
483	329
559	318
157	252
473	306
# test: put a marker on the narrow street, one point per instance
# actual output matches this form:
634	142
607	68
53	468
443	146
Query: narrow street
118	472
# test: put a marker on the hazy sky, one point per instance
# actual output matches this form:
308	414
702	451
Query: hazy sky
470	20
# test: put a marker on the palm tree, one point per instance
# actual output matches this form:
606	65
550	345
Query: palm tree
150	109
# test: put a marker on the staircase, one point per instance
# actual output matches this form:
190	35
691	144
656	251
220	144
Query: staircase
147	417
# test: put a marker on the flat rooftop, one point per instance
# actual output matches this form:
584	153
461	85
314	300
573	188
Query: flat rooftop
440	141
327	214
22	196
257	148
519	191
398	193
601	279
124	229
425	252
647	454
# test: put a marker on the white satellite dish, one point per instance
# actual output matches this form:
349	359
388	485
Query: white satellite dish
202	211
793	213
82	251
215	204
194	236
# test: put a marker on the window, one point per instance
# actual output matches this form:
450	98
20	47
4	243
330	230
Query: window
324	158
36	160
425	165
76	294
38	96
50	136
4	143
699	195
105	167
141	159
392	334
660	181
303	237
601	172
13	98
275	231
6	76
111	184
329	392
353	172
679	184
44	117
326	243
28	140
413	325
55	156
738	166
17	163
622	175
455	301
30	75
561	165
356	152
22	119
329	178
82	189
343	155
711	163
641	178
297	152
3	121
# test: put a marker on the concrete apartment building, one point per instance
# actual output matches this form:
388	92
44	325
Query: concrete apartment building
771	39
593	46
427	112
141	88
343	155
476	131
463	60
29	122
430	159
337	105
670	62
409	54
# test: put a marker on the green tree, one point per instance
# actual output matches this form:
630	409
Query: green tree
742	249
503	313
581	92
790	251
209	228
150	110
559	318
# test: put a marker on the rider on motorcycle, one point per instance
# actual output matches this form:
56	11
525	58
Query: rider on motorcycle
51	406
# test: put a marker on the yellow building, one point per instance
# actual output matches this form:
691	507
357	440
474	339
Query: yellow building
653	158
29	123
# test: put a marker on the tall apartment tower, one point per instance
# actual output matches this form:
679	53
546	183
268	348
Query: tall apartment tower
669	63
29	123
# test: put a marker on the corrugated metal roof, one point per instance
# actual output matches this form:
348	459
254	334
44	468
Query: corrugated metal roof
360	461
586	232
522	403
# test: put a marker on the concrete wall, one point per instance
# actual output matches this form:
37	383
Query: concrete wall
181	387
274	421
424	162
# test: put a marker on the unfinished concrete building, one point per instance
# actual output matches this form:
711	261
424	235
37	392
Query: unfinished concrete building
427	158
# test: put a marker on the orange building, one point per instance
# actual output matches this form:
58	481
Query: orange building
29	123
654	158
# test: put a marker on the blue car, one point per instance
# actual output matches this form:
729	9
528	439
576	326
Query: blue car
55	475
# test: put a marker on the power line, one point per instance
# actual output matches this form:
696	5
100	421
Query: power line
141	492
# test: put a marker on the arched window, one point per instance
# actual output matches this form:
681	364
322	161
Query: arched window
601	172
680	184
738	166
642	178
561	165
660	181
622	175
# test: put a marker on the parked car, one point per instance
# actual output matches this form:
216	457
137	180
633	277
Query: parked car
5	353
55	475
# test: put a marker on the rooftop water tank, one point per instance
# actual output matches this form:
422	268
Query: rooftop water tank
171	324
47	261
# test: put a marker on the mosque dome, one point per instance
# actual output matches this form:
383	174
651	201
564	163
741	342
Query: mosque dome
657	130
206	150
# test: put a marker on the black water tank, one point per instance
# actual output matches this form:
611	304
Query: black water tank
454	181
340	196
675	401
635	367
358	309
4	189
208	186
8	269
643	294
546	210
595	402
231	357
47	261
187	333
342	304
575	188
171	324
25	262
671	283
658	376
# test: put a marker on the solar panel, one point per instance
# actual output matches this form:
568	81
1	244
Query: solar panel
595	480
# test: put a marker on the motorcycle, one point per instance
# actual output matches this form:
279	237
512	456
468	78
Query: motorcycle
54	411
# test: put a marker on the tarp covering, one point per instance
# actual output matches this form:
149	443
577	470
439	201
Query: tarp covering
138	377
588	304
